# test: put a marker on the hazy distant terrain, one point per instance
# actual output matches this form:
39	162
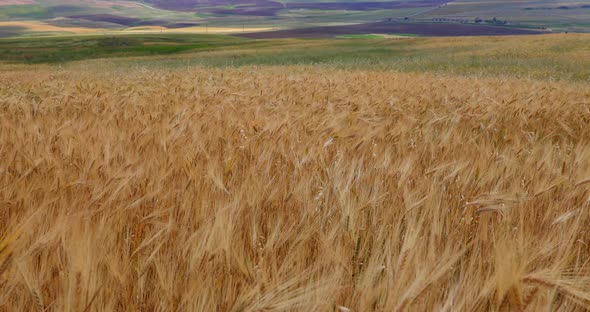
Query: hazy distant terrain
30	17
559	15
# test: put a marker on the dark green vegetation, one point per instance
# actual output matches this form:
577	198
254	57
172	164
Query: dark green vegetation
66	49
545	56
10	31
367	36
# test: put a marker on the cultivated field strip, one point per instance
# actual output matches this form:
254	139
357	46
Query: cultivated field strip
419	29
291	188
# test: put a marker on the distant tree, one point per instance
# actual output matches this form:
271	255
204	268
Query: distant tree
478	20
496	21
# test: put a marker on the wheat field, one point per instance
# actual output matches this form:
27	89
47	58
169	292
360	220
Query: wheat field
292	188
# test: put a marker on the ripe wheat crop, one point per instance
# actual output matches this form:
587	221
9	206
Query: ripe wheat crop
292	188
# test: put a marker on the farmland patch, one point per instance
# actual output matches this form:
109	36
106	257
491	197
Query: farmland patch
421	29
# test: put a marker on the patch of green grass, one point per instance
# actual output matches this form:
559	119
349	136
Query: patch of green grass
65	49
367	36
406	35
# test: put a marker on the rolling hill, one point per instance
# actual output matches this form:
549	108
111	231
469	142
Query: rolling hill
23	17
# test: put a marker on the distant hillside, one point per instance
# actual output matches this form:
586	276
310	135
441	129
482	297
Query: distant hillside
67	15
240	6
559	15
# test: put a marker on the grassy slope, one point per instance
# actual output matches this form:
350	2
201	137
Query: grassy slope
70	48
551	56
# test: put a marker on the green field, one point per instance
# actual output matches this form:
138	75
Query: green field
369	36
561	56
71	48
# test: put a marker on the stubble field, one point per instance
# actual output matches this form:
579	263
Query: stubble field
291	188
